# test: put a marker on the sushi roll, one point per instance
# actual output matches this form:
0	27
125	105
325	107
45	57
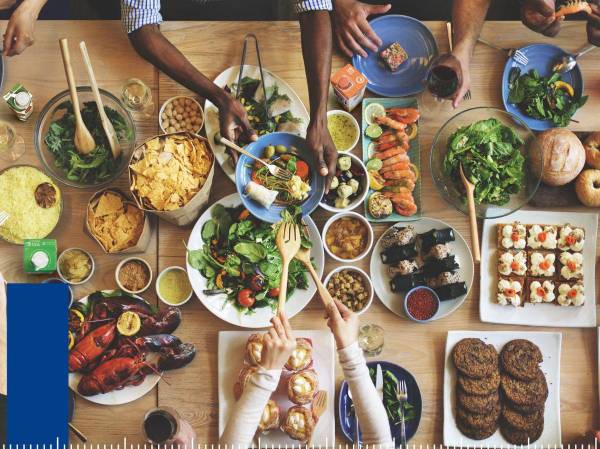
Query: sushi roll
434	267
404	267
444	278
435	237
439	251
398	236
396	253
404	283
451	291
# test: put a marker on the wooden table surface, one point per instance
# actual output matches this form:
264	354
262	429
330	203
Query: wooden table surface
213	47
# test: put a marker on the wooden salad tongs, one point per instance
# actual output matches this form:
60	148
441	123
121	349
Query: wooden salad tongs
108	127
83	140
470	189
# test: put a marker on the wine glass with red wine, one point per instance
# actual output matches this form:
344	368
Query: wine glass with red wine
443	80
164	426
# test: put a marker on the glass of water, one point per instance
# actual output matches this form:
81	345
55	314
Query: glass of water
12	146
370	339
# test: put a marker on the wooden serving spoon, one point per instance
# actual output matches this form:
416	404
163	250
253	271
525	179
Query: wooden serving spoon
303	255
288	244
109	130
84	142
470	189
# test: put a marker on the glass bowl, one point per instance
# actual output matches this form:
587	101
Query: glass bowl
450	187
52	111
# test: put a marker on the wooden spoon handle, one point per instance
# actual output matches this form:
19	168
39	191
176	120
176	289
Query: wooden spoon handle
64	49
92	77
473	223
326	298
283	286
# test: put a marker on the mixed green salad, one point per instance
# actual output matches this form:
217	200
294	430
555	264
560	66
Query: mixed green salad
489	152
240	258
97	166
543	98
390	398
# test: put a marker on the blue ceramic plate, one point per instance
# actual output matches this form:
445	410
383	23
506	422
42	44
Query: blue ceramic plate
243	171
541	57
346	416
410	77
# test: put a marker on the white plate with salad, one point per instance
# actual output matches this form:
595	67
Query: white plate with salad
287	112
234	266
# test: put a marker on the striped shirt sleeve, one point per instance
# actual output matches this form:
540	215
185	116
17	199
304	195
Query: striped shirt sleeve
312	5
137	13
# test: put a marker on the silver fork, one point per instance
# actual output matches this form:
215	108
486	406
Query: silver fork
3	217
402	396
356	424
514	53
450	45
276	171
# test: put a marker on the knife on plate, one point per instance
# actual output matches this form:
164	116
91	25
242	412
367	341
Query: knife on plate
379	382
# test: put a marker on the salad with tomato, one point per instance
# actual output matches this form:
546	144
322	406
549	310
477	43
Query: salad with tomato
239	258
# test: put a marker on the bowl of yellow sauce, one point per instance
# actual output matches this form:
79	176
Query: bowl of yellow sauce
173	286
344	129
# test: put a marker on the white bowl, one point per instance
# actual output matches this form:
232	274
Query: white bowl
87	278
358	200
354	124
353	215
123	262
174	267
162	108
366	279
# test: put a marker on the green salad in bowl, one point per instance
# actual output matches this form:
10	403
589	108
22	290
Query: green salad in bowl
496	151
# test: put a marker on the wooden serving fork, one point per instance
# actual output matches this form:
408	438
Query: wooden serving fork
288	244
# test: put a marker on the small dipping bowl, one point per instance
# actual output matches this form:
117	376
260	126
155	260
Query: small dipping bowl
160	278
351	122
348	214
133	259
366	281
63	277
60	281
417	290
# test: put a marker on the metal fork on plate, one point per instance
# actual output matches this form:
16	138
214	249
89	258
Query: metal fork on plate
514	53
402	396
450	45
275	170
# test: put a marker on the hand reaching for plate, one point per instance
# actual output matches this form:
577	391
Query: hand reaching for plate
343	323
539	16
234	124
278	344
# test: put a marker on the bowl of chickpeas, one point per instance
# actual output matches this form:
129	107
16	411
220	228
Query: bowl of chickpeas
352	286
181	114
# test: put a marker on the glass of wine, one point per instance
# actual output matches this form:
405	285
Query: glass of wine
137	98
12	145
443	80
370	339
163	425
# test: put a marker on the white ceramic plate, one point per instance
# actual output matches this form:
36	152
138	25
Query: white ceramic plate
549	343
218	305
230	76
116	397
231	357
538	314
381	279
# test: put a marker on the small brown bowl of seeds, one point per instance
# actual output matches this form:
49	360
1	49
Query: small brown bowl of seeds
181	114
352	286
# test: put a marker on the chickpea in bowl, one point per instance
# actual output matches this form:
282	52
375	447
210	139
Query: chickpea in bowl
351	286
181	114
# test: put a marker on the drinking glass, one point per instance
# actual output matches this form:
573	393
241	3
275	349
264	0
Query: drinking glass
370	339
443	79
12	145
163	425
137	98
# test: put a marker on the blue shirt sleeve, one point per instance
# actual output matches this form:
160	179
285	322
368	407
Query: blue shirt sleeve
137	13
312	5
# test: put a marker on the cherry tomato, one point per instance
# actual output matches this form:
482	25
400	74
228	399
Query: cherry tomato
245	298
274	292
257	282
302	169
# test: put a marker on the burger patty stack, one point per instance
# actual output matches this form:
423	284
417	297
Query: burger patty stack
524	390
477	397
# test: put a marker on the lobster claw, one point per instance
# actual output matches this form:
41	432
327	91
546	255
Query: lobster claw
164	322
176	357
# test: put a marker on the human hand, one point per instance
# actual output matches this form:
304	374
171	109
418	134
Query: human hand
343	323
233	122
593	25
461	61
319	140
19	31
351	26
278	344
539	16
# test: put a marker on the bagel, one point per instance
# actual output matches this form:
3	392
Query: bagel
592	150
587	187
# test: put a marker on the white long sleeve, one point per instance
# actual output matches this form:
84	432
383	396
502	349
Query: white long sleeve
373	419
245	418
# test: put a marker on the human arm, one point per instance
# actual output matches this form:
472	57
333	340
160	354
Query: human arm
19	31
467	20
539	16
374	424
316	50
593	25
245	418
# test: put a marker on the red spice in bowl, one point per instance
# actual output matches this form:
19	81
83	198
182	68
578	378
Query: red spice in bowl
422	304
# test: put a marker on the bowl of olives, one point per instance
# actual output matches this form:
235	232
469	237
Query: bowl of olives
349	186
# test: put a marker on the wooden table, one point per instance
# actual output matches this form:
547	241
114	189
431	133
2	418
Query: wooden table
212	47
